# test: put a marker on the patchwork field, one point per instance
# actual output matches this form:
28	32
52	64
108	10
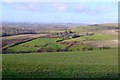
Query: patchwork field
79	52
83	64
90	42
38	45
9	40
54	40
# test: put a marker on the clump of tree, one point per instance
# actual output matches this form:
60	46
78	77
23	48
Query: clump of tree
87	48
74	36
104	47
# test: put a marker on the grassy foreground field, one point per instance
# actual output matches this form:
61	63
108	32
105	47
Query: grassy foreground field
83	64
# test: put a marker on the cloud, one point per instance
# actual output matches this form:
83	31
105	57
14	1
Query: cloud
97	9
60	6
26	7
78	8
8	1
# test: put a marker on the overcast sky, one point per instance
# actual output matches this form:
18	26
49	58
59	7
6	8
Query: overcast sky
60	12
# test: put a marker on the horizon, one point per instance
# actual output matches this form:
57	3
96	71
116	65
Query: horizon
57	23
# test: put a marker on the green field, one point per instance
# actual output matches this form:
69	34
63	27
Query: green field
37	44
92	37
50	44
83	28
58	58
82	64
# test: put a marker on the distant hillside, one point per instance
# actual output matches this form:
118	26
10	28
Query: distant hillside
9	28
107	25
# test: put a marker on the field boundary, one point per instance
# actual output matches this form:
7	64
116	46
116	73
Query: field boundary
6	47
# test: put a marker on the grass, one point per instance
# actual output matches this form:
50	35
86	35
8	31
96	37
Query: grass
80	47
91	37
82	29
50	44
15	36
36	44
54	47
83	64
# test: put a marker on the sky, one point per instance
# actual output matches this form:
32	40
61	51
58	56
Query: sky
60	12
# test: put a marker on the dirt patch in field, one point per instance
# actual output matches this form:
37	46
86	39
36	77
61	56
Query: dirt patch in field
19	38
24	35
110	43
110	32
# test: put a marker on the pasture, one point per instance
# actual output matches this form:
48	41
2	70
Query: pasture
10	40
89	42
49	57
92	37
39	44
82	64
